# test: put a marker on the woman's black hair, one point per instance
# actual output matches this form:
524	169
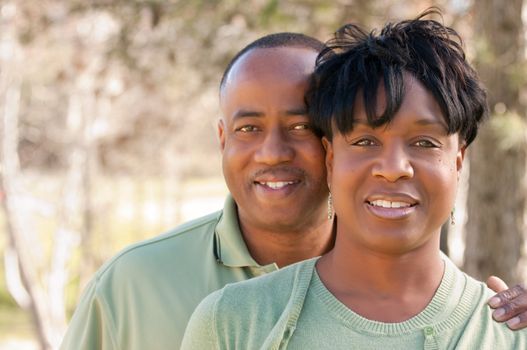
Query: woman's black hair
355	62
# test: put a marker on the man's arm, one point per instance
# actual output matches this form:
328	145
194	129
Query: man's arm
90	327
510	304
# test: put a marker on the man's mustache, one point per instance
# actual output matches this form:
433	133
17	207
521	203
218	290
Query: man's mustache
280	171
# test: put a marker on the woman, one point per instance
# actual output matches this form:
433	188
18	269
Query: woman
397	111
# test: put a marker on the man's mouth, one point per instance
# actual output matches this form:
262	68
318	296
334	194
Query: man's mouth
277	182
276	185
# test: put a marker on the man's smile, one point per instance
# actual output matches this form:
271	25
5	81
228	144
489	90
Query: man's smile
276	185
278	179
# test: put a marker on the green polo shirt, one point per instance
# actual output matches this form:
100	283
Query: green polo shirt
144	296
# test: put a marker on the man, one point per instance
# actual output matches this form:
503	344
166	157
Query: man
274	167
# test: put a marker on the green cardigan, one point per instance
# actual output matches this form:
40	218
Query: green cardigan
292	309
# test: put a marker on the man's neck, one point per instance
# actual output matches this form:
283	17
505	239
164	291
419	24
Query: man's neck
288	246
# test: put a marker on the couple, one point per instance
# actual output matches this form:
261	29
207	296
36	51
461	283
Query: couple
274	166
397	111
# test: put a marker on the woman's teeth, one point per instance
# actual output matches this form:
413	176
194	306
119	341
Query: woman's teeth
389	204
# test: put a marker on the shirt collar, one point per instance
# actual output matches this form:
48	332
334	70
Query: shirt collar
229	246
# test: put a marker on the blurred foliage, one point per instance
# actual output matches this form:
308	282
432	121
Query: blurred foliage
17	322
510	130
155	67
133	85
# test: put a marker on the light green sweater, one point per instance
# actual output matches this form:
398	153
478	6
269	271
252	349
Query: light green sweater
292	309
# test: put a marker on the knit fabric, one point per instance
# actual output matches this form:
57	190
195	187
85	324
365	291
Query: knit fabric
293	309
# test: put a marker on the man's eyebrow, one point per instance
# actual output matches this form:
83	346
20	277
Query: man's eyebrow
296	111
242	113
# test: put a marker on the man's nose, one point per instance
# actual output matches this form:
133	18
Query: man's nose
393	163
275	148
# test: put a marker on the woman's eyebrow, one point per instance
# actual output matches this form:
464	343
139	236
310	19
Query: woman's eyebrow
426	121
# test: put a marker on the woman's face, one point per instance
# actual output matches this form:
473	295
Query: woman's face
394	186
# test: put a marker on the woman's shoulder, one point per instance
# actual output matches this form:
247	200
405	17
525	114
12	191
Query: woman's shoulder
275	286
247	311
472	322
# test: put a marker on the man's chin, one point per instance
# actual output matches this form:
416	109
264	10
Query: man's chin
280	217
292	211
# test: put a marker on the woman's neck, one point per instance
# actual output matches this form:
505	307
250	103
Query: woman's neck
386	287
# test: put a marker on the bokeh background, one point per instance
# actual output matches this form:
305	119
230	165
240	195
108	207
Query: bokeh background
108	114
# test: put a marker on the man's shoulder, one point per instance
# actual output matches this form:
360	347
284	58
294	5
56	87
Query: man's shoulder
179	244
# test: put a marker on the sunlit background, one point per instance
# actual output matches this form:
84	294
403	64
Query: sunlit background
108	114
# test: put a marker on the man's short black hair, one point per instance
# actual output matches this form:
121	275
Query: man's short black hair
284	39
356	62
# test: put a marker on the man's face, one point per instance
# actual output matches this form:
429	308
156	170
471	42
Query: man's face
273	163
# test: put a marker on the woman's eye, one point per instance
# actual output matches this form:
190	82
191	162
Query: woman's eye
425	144
364	142
247	128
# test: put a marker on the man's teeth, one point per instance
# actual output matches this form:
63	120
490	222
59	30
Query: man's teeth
278	184
388	204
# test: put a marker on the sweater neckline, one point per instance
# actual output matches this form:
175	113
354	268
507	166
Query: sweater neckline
447	309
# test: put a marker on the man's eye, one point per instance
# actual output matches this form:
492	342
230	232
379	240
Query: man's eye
247	128
425	144
301	127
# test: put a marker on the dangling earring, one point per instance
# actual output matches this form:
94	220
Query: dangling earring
452	216
330	207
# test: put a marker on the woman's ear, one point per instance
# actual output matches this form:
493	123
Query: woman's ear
460	157
328	146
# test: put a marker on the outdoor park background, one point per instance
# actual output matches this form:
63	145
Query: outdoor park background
107	133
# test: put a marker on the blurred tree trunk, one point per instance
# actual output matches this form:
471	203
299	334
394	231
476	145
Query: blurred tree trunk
497	196
19	259
37	281
77	208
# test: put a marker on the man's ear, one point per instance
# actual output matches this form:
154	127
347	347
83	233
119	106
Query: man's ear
221	133
328	146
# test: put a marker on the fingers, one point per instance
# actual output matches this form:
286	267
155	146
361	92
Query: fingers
496	284
510	305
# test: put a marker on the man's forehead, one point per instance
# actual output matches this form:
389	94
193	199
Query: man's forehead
261	63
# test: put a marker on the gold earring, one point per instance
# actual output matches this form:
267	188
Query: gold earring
452	216
330	207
